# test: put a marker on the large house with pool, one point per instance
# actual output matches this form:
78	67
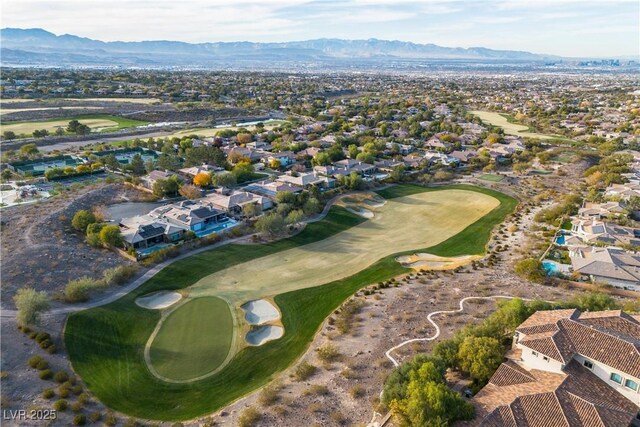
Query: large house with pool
168	224
567	368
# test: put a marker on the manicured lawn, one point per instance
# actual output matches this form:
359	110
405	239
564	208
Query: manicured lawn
491	177
192	339
103	122
106	344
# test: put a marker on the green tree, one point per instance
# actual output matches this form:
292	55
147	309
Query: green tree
429	402
271	224
82	219
30	303
224	180
480	357
250	210
205	154
530	269
111	162
243	171
137	165
285	197
9	135
295	216
110	235
29	149
321	159
312	206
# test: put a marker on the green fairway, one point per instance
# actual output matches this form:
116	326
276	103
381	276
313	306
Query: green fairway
510	127
491	177
106	344
198	334
97	123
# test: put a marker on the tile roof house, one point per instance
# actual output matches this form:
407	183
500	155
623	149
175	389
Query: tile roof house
189	214
271	188
607	265
573	369
305	180
625	191
602	210
234	201
140	232
607	233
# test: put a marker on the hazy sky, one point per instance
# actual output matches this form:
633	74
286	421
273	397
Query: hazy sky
563	27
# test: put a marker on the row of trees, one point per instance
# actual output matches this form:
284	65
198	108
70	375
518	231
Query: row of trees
97	232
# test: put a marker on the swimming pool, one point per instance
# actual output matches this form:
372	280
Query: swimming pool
560	240
217	227
551	268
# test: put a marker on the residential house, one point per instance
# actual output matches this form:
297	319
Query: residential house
191	215
271	188
567	368
593	231
624	191
307	179
602	210
463	156
191	172
154	176
233	201
144	231
285	158
613	266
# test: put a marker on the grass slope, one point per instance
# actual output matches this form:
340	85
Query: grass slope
199	333
108	122
105	344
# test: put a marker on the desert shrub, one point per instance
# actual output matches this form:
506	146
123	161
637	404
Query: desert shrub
119	275
347	314
316	390
76	406
328	353
303	371
95	417
79	420
82	219
46	344
60	377
110	419
30	303
61	405
269	395
84	398
42	365
34	360
47	374
76	389
249	417
42	336
64	392
52	349
48	393
338	418
356	391
78	290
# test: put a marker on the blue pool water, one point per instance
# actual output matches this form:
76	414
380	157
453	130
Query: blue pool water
551	268
560	240
216	228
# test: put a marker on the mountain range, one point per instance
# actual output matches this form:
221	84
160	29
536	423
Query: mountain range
39	47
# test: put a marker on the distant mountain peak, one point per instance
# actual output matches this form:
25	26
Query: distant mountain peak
25	46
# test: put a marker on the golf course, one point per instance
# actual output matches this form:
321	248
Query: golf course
510	128
191	355
97	123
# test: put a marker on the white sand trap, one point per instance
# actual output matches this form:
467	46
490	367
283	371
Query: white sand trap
260	311
423	260
158	300
264	334
375	203
365	213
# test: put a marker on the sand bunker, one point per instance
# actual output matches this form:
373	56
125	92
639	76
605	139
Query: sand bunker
264	334
433	262
260	311
158	300
365	213
375	202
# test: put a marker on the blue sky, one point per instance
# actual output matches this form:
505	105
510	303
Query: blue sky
577	28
